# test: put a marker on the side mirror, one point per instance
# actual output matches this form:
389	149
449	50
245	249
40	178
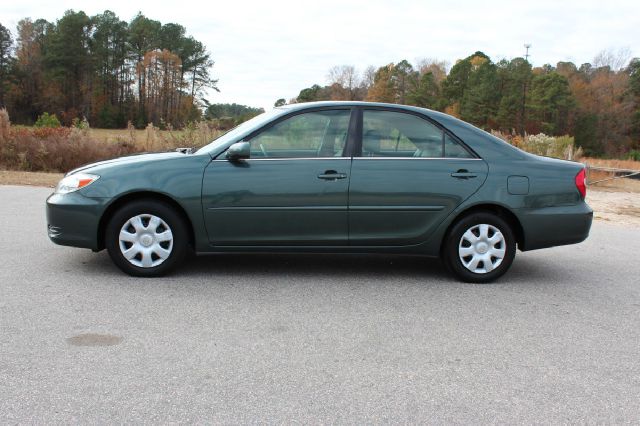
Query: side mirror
239	151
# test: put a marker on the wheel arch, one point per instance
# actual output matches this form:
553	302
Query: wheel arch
497	209
137	196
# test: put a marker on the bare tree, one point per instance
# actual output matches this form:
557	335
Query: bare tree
345	80
368	77
435	66
612	58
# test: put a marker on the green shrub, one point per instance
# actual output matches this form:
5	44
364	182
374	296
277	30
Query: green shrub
541	144
47	120
80	124
634	155
561	147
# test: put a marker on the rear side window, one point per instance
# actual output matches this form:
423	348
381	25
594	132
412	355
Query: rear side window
453	149
397	134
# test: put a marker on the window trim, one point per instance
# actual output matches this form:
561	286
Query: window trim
360	117
289	159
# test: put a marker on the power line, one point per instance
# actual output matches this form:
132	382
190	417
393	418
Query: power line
526	55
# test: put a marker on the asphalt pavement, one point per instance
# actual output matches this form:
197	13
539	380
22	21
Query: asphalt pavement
315	338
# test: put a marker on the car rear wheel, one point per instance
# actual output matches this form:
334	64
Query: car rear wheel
146	238
479	248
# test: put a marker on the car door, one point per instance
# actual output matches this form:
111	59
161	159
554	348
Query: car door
409	176
291	191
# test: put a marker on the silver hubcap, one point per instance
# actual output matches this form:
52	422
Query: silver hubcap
146	240
482	248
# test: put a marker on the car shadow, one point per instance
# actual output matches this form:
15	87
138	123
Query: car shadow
321	265
377	267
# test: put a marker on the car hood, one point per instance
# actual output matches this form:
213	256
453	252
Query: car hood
129	159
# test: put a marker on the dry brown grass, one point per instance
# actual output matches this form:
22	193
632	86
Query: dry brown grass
62	149
616	164
56	150
12	177
603	180
597	181
195	135
137	136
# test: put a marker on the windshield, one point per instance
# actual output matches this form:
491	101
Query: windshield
241	130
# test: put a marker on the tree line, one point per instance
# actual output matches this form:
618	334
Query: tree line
104	69
598	104
225	116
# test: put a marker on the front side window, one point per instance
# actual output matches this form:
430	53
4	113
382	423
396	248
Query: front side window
310	134
397	134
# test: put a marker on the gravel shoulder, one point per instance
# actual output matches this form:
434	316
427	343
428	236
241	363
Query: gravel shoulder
615	206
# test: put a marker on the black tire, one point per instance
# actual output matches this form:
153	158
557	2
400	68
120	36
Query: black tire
452	258
178	248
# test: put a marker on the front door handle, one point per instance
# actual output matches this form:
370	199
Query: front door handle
332	175
463	174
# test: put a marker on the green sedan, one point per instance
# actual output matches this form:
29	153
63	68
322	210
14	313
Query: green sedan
338	177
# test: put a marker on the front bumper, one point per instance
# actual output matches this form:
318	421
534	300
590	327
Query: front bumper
73	220
555	226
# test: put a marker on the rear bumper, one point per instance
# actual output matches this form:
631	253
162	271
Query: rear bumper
555	226
73	220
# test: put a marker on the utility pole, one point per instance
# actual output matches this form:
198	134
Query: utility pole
526	55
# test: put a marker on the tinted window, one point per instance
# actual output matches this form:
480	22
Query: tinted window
452	149
396	134
311	134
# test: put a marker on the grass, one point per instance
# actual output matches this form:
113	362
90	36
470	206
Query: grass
603	179
623	184
615	164
154	139
13	177
138	136
62	149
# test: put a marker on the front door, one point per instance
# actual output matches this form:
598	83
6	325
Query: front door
410	175
291	191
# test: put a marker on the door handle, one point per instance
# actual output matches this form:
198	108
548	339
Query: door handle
332	175
463	174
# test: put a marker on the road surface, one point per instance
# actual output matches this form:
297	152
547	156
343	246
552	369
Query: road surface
347	339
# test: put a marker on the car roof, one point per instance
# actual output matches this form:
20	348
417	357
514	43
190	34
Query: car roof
305	105
327	104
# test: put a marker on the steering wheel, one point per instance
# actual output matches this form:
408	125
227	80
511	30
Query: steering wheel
264	151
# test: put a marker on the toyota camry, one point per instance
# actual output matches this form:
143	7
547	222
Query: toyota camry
339	177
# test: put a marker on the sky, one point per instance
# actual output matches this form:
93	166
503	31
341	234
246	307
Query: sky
264	51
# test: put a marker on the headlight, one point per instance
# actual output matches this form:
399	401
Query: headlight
75	182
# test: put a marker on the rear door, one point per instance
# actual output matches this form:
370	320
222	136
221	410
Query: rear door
409	176
291	191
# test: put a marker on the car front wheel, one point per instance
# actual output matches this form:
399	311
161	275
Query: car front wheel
146	238
480	248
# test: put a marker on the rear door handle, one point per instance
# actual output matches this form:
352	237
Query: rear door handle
332	175
463	174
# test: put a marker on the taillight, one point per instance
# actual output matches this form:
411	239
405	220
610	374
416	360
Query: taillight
581	182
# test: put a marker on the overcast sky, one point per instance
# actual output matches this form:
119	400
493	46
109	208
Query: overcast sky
265	50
